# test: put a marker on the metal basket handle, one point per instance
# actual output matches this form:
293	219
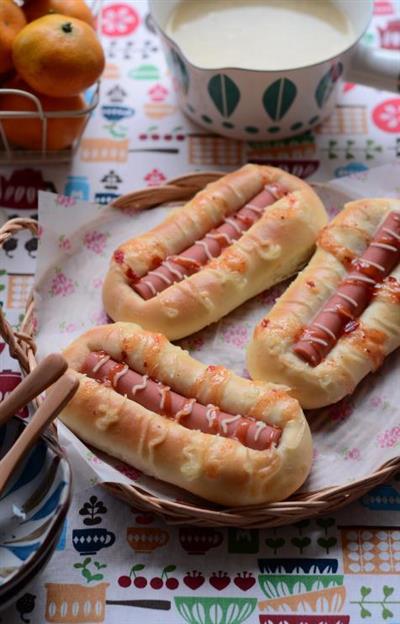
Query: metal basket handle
21	344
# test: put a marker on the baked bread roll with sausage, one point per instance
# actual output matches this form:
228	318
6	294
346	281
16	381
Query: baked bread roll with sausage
340	317
203	428
242	234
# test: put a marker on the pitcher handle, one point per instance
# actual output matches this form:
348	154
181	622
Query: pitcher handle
375	67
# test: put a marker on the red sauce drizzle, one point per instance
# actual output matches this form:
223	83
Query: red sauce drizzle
220	237
167	403
162	400
187	263
132	276
119	256
389	289
115	369
155	262
245	219
241	432
239	222
354	293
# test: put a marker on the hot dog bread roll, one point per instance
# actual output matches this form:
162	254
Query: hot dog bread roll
340	317
148	403
237	237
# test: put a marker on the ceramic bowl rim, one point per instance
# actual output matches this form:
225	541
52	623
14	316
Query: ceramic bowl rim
330	59
34	564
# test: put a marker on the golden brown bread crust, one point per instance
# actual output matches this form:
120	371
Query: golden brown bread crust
219	469
270	354
271	250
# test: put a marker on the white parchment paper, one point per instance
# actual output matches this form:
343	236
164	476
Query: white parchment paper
351	438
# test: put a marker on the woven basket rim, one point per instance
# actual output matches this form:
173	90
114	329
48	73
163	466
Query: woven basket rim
299	506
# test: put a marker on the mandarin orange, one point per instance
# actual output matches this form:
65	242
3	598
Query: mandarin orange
58	56
27	133
12	20
34	9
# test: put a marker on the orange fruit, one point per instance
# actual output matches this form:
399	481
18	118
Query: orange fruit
58	55
27	133
74	8
12	20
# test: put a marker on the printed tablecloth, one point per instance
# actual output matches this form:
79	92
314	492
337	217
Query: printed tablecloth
331	570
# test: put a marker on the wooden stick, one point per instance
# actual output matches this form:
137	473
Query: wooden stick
59	396
43	376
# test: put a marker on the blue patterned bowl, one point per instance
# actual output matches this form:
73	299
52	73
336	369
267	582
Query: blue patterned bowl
32	511
382	498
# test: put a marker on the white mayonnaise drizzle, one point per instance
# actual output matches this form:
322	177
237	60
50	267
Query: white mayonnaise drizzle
162	277
326	330
150	286
254	208
363	278
219	236
211	414
173	270
271	188
163	395
274	189
186	409
234	225
227	421
120	374
206	249
392	233
100	363
384	246
374	264
315	339
350	300
260	425
140	386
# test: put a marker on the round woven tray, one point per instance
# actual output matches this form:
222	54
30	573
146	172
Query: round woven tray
297	507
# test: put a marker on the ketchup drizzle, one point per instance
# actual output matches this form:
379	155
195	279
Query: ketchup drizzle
239	222
369	275
217	422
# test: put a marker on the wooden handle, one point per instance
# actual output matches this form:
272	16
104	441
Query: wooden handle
59	396
45	374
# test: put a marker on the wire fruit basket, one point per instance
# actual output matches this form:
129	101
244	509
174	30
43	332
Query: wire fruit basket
9	154
299	506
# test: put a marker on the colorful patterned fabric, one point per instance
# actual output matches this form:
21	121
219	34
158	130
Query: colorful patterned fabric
114	564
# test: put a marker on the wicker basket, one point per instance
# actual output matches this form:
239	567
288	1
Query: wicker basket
297	507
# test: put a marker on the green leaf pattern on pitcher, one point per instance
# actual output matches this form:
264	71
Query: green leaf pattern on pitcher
224	93
327	83
279	97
